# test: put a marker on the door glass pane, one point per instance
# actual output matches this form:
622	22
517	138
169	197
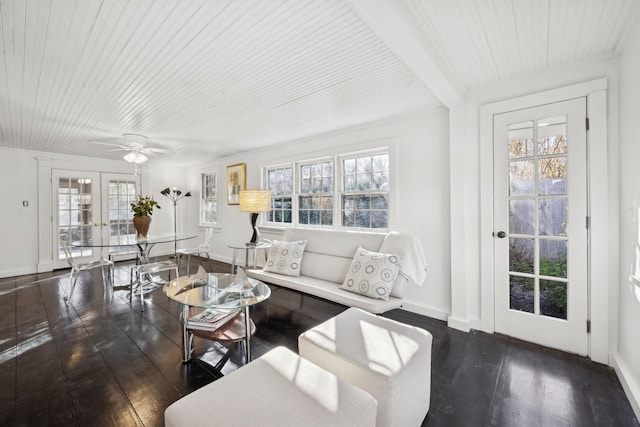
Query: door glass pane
121	194
553	175
75	214
553	258
521	255
521	139
521	217
521	295
521	175
552	133
552	217
553	299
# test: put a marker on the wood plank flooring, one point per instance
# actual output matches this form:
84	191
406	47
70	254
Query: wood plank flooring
102	362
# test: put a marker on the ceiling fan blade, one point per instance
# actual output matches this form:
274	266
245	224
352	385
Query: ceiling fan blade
153	150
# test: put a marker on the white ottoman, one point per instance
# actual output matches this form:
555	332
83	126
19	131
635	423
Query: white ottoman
389	359
277	389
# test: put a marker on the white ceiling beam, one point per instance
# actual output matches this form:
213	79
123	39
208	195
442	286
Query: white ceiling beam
399	31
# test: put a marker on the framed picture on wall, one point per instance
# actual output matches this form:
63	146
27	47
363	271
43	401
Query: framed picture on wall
236	181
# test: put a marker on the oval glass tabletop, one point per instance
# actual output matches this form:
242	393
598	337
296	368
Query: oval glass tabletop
133	240
219	290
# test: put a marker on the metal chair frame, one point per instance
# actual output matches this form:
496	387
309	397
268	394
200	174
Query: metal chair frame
202	249
77	267
147	270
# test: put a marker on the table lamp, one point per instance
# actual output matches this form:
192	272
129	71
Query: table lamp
255	201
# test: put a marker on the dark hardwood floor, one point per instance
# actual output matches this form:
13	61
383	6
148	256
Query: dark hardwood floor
101	362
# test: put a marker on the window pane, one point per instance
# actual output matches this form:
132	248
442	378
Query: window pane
521	255
553	258
521	217
553	299
552	133
553	175
521	178
379	202
379	219
349	166
363	164
327	217
364	182
521	293
521	139
350	183
363	219
552	217
362	202
348	218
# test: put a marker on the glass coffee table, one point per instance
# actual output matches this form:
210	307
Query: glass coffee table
220	291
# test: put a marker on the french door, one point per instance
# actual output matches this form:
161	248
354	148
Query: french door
90	206
540	225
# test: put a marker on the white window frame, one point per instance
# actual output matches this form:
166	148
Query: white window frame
337	191
340	191
265	176
298	193
204	198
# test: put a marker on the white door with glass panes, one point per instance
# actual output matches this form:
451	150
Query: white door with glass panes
540	225
90	206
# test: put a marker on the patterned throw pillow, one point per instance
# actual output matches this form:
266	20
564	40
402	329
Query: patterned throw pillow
372	274
285	257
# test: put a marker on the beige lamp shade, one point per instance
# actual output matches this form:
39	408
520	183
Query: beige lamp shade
255	200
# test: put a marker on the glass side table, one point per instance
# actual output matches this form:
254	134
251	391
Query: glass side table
218	291
247	248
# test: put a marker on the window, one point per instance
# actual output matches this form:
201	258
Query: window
280	183
315	198
347	191
365	196
209	200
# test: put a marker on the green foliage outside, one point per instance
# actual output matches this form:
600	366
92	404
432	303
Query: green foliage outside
555	291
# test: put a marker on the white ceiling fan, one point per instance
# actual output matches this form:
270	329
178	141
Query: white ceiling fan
136	145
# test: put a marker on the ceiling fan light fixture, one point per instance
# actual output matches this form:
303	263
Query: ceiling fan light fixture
135	157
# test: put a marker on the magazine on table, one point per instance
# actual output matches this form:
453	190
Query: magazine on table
211	319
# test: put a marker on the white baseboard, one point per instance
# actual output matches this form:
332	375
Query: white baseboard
630	385
18	272
461	325
425	311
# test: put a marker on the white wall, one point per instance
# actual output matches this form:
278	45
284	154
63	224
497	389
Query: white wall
628	355
19	226
421	182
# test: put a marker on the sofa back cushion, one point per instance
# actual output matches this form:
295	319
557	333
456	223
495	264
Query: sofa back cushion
328	254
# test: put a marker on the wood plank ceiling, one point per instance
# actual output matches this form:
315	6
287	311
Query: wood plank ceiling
484	42
217	77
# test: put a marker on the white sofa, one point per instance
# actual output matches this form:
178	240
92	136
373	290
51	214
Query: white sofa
327	259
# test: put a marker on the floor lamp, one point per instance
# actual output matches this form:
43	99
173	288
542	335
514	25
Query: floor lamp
174	195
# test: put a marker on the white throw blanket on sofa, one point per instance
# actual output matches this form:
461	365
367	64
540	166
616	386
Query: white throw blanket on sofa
414	265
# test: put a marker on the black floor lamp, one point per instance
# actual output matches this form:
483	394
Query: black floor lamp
174	195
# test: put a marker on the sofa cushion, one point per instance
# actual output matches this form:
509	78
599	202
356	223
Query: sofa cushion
285	257
327	290
372	274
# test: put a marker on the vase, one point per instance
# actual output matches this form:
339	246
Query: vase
141	224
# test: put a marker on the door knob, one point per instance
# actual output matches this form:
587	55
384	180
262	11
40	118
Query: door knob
105	223
502	234
96	224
